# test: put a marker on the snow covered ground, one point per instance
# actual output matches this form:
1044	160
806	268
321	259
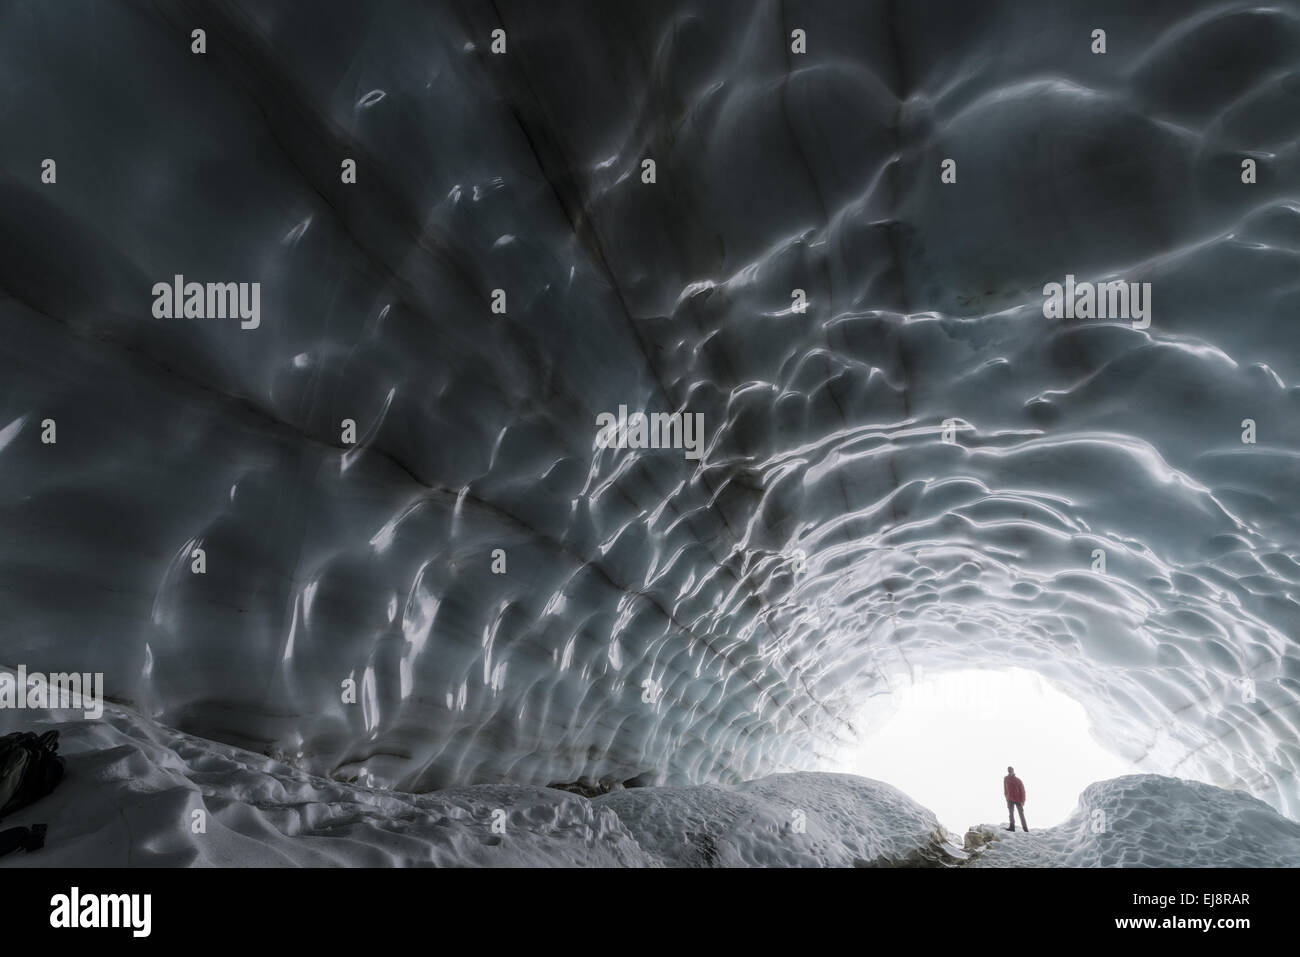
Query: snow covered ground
132	788
805	820
136	792
1148	820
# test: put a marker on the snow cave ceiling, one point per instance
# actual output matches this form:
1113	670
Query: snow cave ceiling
916	472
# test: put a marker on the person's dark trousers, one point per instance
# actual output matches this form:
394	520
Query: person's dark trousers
1012	808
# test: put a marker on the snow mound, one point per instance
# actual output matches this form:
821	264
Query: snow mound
132	788
135	793
807	819
1147	820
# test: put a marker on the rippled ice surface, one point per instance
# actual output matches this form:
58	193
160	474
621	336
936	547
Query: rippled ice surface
827	542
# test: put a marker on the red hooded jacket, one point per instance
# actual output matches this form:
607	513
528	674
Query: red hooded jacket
1013	789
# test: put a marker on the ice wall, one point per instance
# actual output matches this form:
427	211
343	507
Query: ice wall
658	619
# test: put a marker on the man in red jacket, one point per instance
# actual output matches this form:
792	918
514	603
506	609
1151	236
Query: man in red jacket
1013	789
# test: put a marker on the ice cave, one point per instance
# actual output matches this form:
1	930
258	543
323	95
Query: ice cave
560	428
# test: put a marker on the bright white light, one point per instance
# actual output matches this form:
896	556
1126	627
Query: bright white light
949	744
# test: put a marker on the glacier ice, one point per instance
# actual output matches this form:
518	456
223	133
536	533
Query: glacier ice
656	620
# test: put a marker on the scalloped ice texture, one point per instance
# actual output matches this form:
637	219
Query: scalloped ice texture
477	431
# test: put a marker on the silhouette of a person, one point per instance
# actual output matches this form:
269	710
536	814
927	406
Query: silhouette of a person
1013	789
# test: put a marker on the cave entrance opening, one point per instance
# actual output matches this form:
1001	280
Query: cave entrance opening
947	739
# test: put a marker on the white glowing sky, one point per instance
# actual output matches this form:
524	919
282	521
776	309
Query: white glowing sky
950	741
